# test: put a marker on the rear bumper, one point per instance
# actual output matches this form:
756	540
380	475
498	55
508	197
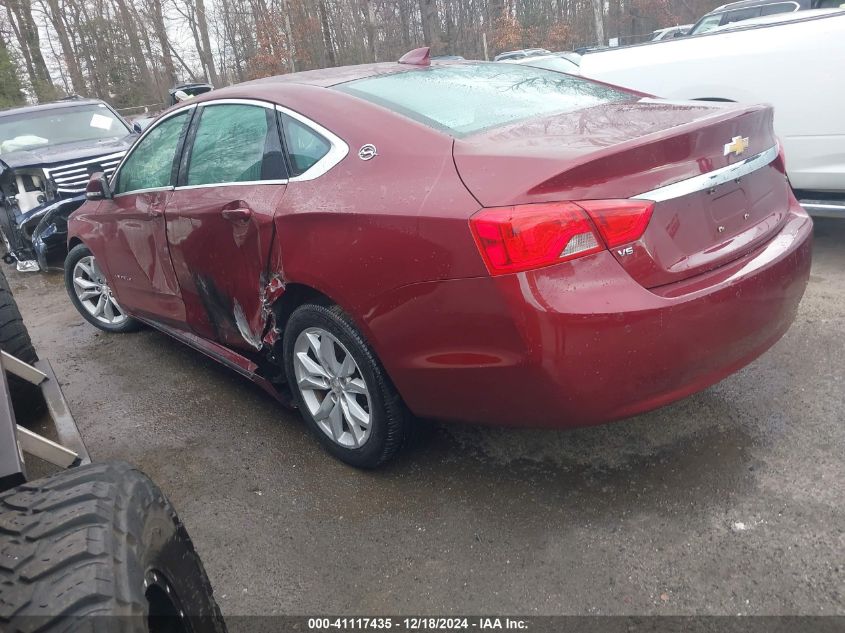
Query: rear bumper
582	343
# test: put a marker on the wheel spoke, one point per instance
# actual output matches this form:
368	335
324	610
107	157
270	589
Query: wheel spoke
117	311
101	306
327	356
308	364
108	311
347	367
356	385
336	423
84	267
84	284
313	382
355	415
98	274
325	408
88	294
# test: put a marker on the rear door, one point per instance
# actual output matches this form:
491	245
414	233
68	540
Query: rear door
136	255
220	218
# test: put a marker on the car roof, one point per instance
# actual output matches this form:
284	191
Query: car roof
748	4
53	105
327	77
776	19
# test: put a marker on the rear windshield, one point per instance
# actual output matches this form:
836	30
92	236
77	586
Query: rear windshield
467	98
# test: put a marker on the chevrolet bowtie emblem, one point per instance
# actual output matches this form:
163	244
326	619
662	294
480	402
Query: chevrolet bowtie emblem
737	146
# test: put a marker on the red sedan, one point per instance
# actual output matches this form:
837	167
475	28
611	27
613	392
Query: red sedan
462	241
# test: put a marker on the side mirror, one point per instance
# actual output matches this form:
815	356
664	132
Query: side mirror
98	187
137	127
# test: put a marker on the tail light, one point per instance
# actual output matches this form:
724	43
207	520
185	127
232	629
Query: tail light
619	221
524	237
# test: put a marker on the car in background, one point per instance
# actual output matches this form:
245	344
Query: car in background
47	153
549	62
778	63
750	9
779	18
474	241
520	54
670	32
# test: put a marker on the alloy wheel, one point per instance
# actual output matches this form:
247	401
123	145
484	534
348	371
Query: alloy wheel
332	387
94	294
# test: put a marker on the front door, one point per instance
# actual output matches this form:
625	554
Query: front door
137	258
220	219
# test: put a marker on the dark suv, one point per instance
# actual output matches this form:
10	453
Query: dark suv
47	153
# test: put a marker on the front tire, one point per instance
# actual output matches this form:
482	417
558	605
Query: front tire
341	388
99	540
90	294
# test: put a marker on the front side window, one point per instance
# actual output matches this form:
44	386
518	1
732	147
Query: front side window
150	164
708	24
54	126
235	143
305	147
467	98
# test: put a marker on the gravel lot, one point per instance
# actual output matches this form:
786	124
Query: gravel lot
728	502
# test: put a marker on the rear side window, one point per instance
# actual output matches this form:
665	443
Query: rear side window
741	14
235	143
305	147
150	164
467	98
783	7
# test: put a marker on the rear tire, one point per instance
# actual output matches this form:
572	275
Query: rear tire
77	253
389	426
99	540
14	340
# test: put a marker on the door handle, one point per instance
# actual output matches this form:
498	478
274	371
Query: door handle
234	215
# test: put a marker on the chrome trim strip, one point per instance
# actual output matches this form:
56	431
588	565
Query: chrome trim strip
280	181
137	191
819	209
710	179
337	151
256	102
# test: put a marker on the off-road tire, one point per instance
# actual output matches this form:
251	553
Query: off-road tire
14	340
392	424
76	253
99	540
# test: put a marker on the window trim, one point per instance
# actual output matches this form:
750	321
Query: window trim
338	149
190	137
179	147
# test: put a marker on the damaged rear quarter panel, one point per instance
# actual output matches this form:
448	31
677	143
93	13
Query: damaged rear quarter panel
368	226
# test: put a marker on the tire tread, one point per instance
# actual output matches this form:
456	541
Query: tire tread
62	542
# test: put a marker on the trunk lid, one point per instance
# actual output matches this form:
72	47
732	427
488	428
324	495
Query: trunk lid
623	150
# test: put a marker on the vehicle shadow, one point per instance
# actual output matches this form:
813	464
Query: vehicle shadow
684	457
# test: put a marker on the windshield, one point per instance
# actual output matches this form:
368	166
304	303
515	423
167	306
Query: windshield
54	126
467	98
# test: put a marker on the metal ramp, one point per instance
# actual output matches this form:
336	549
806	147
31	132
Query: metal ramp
17	441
